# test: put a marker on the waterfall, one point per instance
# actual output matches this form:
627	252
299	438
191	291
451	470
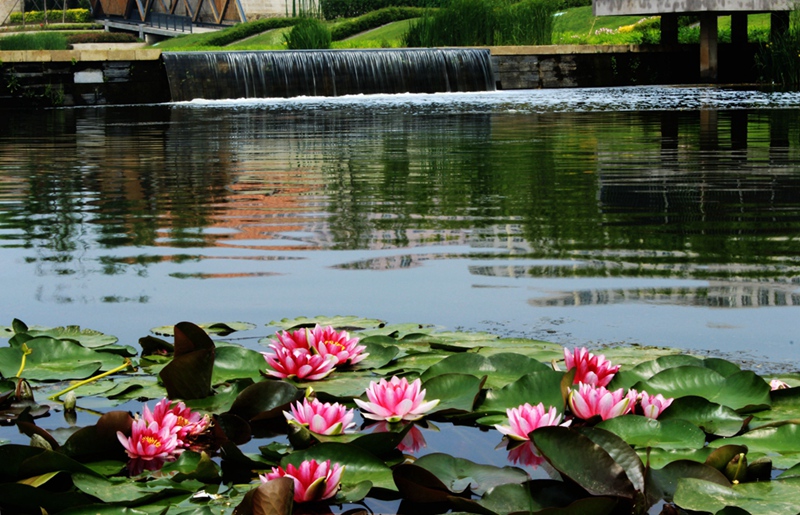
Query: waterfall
245	74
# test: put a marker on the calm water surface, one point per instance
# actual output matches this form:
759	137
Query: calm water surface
660	216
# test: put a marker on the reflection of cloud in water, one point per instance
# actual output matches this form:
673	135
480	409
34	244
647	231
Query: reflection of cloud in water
723	295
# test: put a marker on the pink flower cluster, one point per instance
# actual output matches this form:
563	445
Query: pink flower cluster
312	354
591	398
164	432
312	481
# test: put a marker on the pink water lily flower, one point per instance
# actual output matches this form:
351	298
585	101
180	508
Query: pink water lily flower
395	400
188	424
151	440
312	481
591	369
299	363
525	418
322	418
777	384
653	405
588	401
327	341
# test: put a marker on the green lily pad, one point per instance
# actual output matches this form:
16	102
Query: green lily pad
266	399
349	323
663	482
500	369
578	457
543	386
741	391
777	497
56	360
641	431
553	496
627	377
785	406
359	464
220	328
379	354
709	416
234	362
454	391
781	443
458	474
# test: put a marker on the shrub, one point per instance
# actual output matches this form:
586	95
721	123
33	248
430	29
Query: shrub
309	34
69	16
779	60
484	22
245	30
102	37
38	41
373	20
332	9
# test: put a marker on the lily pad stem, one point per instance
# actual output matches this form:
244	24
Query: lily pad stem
92	379
25	351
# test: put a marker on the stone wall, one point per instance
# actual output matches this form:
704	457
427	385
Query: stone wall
82	77
620	65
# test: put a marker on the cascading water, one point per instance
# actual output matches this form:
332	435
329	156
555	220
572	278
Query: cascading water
218	75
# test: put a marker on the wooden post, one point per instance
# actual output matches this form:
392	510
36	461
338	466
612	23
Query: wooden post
708	46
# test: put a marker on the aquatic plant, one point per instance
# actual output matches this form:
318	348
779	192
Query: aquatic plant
712	435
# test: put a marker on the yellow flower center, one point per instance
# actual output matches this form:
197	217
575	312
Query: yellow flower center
331	342
182	421
151	440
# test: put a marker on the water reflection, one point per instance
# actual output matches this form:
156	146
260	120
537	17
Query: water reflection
589	204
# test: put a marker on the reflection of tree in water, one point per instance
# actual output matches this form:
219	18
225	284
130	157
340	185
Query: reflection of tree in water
103	184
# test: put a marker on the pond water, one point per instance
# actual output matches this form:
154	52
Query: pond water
651	215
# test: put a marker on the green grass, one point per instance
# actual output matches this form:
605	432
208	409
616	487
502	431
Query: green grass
580	20
269	40
37	41
384	36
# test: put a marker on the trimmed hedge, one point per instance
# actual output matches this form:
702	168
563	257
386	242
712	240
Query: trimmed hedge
102	37
251	28
374	20
34	41
54	16
309	34
332	9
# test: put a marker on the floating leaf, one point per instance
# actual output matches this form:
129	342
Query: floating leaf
459	474
543	386
782	443
500	369
709	416
234	362
777	497
56	360
533	496
188	375
274	497
641	431
349	323
454	391
219	328
579	458
664	482
266	399
88	338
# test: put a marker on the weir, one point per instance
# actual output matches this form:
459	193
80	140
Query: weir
284	74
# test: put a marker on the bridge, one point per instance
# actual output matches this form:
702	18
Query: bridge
708	11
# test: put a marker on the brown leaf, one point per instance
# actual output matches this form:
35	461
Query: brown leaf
275	497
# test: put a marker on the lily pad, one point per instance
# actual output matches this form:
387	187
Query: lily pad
234	362
543	386
777	497
645	432
51	359
459	474
454	391
709	416
349	323
218	328
500	369
781	443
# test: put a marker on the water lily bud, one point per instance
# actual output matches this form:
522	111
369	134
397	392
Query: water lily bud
23	391
70	400
736	469
40	442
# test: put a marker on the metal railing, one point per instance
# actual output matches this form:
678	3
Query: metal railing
170	21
